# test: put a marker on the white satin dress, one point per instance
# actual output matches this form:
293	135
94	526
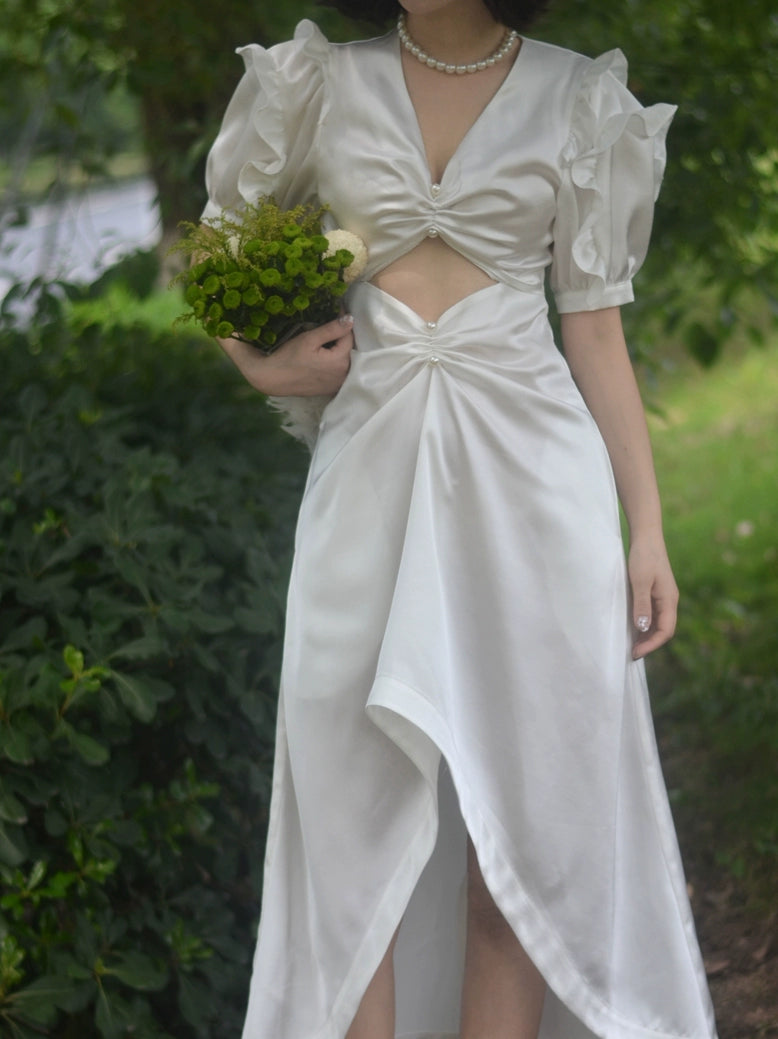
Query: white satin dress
457	652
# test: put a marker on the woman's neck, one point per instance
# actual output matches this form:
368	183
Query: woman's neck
457	33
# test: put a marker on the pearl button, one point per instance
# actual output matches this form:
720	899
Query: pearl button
434	359
433	232
432	325
435	190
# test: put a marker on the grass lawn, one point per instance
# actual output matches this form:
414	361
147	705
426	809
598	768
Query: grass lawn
716	687
716	449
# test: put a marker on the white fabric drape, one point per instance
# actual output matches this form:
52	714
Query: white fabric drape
457	618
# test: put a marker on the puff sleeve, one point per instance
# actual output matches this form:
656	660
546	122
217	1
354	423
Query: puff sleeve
266	144
611	170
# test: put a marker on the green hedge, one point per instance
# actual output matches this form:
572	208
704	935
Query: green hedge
147	504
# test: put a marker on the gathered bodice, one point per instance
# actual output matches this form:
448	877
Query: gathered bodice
495	201
561	168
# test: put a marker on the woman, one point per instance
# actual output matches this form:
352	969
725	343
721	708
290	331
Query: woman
463	725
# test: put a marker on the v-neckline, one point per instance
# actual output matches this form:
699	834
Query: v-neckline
503	87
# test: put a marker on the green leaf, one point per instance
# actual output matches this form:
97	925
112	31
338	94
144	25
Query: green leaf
133	573
41	1000
13	847
37	873
78	972
52	591
211	623
193	1001
261	619
148	646
88	748
139	972
54	822
107	1022
21	1031
32	401
11	808
15	745
126	832
74	659
59	885
25	635
136	696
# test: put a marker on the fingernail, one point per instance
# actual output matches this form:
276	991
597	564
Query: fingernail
643	624
346	319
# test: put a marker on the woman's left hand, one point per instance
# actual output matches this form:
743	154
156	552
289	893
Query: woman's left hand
654	595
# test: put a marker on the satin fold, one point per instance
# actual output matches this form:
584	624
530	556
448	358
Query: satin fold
459	522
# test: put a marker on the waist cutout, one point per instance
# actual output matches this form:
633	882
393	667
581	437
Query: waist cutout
490	316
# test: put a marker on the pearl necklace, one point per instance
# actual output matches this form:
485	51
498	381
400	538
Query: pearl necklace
441	66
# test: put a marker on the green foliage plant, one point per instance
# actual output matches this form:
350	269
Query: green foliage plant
264	274
147	502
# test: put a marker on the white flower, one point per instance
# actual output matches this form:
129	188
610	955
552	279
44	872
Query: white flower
340	239
233	244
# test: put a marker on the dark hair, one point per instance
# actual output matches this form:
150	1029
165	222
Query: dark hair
516	14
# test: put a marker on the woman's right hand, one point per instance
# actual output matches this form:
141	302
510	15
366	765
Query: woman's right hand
304	366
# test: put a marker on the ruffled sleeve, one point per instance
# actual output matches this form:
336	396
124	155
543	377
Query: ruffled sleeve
611	168
266	144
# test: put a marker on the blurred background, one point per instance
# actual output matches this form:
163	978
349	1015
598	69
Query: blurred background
147	507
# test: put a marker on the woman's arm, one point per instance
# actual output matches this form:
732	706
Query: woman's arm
597	354
303	367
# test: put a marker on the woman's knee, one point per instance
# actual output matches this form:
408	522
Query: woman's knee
484	916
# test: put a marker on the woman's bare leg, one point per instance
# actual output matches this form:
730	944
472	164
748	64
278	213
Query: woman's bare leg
375	1017
503	991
